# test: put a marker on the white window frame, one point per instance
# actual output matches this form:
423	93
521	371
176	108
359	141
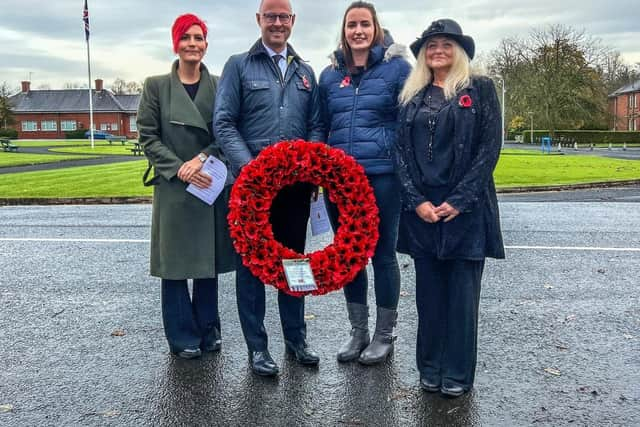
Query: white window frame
133	126
68	125
114	126
29	126
632	124
104	126
48	126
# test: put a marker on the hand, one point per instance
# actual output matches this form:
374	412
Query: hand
201	180
446	211
188	169
426	211
315	193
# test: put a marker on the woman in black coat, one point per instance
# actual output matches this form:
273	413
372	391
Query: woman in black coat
448	146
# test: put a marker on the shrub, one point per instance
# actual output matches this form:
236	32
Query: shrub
8	133
75	134
583	137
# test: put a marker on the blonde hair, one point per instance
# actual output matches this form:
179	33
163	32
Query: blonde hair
457	79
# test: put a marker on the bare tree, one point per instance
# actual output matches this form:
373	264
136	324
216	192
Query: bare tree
553	74
6	113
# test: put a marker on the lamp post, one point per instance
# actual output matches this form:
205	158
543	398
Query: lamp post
502	113
530	113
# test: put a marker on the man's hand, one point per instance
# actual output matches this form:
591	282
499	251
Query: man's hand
446	211
426	211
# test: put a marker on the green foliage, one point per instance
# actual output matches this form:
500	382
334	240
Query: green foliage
75	134
585	137
8	133
6	112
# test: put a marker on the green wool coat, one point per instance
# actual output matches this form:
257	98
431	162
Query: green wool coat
189	239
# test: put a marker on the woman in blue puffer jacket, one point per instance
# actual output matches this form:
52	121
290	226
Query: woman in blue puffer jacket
359	98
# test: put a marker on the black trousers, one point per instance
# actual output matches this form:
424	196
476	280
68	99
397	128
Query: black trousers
447	298
289	217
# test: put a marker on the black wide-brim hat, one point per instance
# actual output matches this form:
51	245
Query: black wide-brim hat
448	28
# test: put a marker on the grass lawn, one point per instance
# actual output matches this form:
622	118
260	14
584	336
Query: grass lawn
516	168
21	159
526	168
113	180
118	150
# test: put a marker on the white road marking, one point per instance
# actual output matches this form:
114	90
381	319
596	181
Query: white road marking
521	247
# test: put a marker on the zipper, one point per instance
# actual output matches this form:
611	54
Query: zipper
353	113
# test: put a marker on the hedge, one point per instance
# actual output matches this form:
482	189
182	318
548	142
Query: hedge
75	134
8	133
585	136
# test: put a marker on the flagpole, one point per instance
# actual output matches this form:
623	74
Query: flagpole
90	94
85	18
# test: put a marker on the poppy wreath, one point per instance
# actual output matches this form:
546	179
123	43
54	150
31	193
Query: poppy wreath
287	163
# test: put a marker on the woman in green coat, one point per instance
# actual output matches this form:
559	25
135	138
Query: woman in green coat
189	239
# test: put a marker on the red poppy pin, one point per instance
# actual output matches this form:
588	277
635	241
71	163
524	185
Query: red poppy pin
345	82
465	101
305	82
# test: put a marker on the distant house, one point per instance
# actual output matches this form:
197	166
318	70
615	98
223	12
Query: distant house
624	106
48	114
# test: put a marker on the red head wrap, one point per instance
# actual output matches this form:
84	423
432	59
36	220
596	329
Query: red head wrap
182	25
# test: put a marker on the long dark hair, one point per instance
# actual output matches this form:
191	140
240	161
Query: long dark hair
378	35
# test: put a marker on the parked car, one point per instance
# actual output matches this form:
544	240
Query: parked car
99	134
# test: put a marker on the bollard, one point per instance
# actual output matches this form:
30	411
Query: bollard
591	148
624	146
559	147
575	146
610	146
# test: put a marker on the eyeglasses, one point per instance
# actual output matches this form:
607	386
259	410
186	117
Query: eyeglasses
271	18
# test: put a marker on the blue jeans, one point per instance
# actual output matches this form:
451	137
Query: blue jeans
188	321
386	189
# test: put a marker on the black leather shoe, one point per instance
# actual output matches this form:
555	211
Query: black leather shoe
189	353
301	352
212	341
430	386
262	363
451	390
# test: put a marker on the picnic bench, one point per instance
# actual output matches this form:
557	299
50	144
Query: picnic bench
137	149
7	145
122	139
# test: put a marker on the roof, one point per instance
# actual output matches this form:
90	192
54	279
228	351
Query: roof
72	101
631	87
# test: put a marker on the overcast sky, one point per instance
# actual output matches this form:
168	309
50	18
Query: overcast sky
131	39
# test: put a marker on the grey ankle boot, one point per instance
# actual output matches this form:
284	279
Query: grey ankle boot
382	343
358	316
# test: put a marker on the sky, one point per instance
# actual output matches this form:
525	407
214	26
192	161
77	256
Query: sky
130	39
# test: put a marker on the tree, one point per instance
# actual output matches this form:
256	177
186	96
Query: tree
6	113
122	87
554	75
74	85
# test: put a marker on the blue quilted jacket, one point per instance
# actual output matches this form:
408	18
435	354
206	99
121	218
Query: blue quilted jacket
362	120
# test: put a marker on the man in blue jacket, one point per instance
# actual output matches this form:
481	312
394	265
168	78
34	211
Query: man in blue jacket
266	95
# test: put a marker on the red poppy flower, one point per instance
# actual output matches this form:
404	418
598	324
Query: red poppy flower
286	163
345	82
465	101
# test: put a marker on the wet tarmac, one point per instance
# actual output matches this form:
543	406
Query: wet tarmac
81	340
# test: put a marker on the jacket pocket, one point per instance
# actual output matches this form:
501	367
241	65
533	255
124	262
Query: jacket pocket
256	145
256	84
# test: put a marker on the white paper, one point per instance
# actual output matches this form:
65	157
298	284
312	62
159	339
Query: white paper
218	173
319	218
299	275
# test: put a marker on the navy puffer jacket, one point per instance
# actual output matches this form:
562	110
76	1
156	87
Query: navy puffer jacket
362	120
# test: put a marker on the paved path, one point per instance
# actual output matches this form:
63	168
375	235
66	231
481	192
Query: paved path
558	345
102	160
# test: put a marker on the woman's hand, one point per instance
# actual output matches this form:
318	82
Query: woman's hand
446	211
189	169
201	180
426	211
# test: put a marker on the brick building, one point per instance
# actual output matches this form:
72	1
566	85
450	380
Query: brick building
48	114
624	106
